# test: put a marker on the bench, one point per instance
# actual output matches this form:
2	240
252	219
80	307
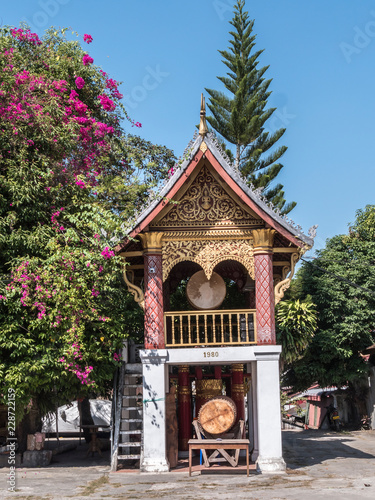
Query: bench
220	445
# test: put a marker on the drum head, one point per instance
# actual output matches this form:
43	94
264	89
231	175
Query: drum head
218	415
206	294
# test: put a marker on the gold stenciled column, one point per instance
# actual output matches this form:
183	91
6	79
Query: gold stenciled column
184	408
264	293
237	393
154	311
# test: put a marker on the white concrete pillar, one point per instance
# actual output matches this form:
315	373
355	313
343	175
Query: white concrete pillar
154	456
249	410
269	416
253	423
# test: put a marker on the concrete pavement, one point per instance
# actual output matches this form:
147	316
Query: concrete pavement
320	465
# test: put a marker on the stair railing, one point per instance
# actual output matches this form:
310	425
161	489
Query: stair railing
116	417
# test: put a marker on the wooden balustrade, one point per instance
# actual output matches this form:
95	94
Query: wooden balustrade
208	328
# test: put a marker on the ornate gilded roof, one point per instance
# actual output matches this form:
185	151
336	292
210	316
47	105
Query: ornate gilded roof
202	145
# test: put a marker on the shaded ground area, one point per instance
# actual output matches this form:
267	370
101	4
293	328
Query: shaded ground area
320	465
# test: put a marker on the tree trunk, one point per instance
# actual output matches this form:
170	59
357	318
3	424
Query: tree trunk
30	424
238	155
86	418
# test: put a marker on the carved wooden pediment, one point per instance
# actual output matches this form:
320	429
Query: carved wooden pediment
207	254
206	202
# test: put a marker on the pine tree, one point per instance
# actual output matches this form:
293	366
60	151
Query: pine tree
241	118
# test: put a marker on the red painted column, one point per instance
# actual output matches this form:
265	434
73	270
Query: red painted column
264	290
237	393
199	401
154	311
184	408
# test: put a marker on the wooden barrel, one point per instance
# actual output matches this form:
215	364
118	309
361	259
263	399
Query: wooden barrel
218	415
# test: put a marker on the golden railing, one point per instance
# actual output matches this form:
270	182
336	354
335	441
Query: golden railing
208	328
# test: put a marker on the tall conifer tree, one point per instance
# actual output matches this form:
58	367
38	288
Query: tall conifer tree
241	117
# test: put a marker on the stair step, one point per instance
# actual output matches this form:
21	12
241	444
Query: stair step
139	408
128	457
132	396
132	385
129	444
124	420
131	432
133	368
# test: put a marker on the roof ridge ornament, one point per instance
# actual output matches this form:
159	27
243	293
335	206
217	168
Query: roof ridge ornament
203	129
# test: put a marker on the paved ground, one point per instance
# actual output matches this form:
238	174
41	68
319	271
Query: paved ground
320	465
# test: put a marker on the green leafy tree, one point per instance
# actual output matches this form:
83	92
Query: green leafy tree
296	323
70	178
341	282
142	167
240	115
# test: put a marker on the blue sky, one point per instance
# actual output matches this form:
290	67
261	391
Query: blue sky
321	56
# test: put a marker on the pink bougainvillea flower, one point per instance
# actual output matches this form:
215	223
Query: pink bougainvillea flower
106	102
87	38
25	35
81	184
107	253
86	59
111	84
80	82
116	93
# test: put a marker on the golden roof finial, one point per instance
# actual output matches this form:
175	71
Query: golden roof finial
203	129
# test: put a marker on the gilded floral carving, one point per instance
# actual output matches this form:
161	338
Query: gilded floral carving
207	254
206	203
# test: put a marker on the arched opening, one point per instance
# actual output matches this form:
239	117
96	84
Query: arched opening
230	323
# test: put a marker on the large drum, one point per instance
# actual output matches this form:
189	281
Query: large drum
207	389
218	415
206	294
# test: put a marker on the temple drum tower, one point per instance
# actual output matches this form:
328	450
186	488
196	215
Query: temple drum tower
209	235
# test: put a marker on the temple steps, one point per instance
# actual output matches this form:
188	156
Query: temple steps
130	444
128	433
131	423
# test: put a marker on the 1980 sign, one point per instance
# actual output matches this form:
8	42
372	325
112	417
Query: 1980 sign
211	354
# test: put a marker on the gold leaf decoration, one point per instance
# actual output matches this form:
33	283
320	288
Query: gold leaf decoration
206	203
207	254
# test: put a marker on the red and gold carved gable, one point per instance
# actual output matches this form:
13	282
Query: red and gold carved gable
207	202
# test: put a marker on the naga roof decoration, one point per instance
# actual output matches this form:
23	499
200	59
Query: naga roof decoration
209	142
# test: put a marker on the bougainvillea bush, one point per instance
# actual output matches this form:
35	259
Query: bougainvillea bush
70	178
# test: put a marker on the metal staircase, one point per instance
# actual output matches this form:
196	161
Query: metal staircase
127	418
130	442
